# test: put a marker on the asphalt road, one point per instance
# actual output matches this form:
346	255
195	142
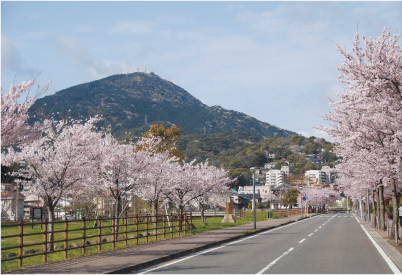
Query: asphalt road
330	243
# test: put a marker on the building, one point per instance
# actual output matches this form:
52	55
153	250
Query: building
318	177
275	177
317	160
286	170
12	202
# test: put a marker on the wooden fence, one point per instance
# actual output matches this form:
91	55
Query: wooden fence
287	212
148	224
237	213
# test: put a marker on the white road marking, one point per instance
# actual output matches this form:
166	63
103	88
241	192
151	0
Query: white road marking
385	256
263	233
302	240
274	262
310	234
319	227
316	230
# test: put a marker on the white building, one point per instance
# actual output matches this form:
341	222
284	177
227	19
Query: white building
322	176
275	177
326	174
286	170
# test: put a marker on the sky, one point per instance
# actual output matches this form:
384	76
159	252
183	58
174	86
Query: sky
275	61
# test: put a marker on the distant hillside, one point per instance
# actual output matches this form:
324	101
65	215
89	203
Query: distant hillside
127	99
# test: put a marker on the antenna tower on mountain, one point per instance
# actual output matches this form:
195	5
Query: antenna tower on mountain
124	67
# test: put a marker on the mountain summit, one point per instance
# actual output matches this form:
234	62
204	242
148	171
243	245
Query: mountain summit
129	100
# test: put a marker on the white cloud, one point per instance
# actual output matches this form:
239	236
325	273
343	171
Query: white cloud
11	58
78	55
136	26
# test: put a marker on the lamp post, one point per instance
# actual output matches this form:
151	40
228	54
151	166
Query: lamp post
252	169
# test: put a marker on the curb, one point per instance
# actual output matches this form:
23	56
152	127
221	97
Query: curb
176	255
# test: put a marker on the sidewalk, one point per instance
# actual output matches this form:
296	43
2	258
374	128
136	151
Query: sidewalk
381	238
134	258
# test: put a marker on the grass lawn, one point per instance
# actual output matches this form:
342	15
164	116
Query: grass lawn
212	223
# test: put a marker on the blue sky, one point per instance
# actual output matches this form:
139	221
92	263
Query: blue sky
274	61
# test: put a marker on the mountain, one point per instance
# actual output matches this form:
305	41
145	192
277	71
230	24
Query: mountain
128	100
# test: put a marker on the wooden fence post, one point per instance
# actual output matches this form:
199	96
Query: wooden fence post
83	235
113	233
156	227
171	225
164	224
185	223
45	242
125	231
99	234
146	228
178	225
21	243
191	222
136	229
65	237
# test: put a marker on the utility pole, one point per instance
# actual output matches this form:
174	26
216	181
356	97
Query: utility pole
253	205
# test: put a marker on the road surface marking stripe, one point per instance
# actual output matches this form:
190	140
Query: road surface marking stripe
274	262
316	230
302	240
189	257
385	256
310	234
319	227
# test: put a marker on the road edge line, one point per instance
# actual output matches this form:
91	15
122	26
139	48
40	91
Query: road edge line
387	259
176	255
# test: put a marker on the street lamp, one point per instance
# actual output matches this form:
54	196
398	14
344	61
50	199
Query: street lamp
252	169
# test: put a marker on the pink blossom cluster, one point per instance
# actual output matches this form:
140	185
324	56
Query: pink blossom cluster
367	118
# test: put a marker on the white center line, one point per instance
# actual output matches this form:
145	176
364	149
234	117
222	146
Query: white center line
302	240
310	234
274	262
319	227
316	230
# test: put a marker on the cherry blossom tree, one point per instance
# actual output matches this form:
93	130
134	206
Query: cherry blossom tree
213	183
190	184
14	127
162	173
59	163
367	117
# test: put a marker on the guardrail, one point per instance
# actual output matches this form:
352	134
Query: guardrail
142	227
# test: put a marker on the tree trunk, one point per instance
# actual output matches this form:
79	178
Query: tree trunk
382	206
50	227
117	213
203	219
181	215
394	198
154	210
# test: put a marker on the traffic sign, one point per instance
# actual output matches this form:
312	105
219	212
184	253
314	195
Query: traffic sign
304	198
304	194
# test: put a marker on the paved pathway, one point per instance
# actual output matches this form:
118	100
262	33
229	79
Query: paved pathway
134	258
